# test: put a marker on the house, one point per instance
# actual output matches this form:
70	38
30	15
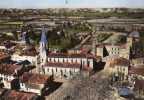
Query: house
59	69
9	74
27	53
15	95
34	83
121	50
119	69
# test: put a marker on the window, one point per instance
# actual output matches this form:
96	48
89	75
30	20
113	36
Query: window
56	69
48	69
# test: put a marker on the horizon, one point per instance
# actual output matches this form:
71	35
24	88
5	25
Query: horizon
39	4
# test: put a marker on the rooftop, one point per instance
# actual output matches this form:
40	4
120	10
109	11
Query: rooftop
63	65
9	69
31	78
15	95
139	84
65	55
120	61
138	71
30	51
119	45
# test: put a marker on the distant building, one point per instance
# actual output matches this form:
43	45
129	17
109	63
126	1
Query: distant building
120	50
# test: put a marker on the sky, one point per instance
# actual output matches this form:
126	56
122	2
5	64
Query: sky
71	3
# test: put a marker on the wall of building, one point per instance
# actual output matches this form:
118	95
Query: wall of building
61	72
85	62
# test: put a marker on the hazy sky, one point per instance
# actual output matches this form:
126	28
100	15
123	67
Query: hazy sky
72	3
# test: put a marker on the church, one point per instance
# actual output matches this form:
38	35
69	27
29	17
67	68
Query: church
61	64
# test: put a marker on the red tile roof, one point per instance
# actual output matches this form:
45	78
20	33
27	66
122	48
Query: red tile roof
31	78
62	65
65	55
119	61
3	56
15	95
31	51
9	69
139	84
138	71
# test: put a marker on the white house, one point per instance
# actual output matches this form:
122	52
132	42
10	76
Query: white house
28	53
8	74
34	83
